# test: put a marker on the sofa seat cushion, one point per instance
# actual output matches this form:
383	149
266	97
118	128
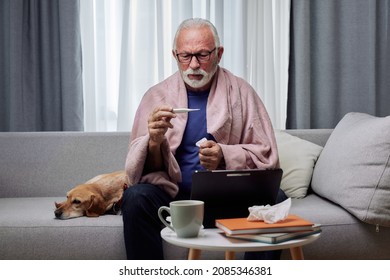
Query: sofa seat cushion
321	211
343	235
353	169
29	230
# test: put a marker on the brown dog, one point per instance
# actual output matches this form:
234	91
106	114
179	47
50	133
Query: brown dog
95	197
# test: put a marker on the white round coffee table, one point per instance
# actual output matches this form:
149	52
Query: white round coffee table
215	240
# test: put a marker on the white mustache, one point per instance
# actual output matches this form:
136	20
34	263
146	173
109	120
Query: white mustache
194	72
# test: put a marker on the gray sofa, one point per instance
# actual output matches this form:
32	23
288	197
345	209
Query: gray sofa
37	169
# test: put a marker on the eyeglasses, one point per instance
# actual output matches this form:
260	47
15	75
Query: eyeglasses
202	57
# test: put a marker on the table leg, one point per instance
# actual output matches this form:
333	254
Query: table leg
229	255
296	253
194	254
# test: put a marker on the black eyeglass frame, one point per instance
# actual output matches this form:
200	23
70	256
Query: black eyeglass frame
203	55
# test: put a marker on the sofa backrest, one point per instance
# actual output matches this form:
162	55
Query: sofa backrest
46	164
316	136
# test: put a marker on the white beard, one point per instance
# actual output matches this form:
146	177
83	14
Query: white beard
198	83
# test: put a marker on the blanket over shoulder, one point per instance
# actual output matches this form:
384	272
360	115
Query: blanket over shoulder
236	117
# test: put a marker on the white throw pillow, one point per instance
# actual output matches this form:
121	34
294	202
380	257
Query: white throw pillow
297	159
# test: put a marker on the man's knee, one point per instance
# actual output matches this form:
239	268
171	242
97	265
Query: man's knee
141	197
134	197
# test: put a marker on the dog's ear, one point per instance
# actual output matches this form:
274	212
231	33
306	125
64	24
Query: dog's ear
58	205
96	208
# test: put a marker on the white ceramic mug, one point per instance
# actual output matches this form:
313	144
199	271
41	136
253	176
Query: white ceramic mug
186	217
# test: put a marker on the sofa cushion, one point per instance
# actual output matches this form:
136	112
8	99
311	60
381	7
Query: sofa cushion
29	230
353	169
297	159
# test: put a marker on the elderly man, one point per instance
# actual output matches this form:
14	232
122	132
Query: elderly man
162	154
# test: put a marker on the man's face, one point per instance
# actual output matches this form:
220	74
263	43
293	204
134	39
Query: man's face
197	73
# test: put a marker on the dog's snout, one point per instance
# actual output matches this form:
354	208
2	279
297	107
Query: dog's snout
58	213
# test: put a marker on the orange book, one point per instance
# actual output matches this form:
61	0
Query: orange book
243	226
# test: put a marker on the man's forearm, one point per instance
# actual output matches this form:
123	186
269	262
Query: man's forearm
154	161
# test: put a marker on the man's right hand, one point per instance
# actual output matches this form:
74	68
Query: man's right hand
158	123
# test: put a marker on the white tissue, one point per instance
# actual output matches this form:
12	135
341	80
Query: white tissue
270	214
200	141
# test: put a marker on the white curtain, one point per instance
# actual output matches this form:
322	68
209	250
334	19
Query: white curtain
127	49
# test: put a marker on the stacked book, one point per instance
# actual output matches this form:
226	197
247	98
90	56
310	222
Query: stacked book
293	227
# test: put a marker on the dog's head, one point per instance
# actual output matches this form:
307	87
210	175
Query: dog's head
82	200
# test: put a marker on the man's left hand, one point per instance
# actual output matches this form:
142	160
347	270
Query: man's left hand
210	155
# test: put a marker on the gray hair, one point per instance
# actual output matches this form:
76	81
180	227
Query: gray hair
197	22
